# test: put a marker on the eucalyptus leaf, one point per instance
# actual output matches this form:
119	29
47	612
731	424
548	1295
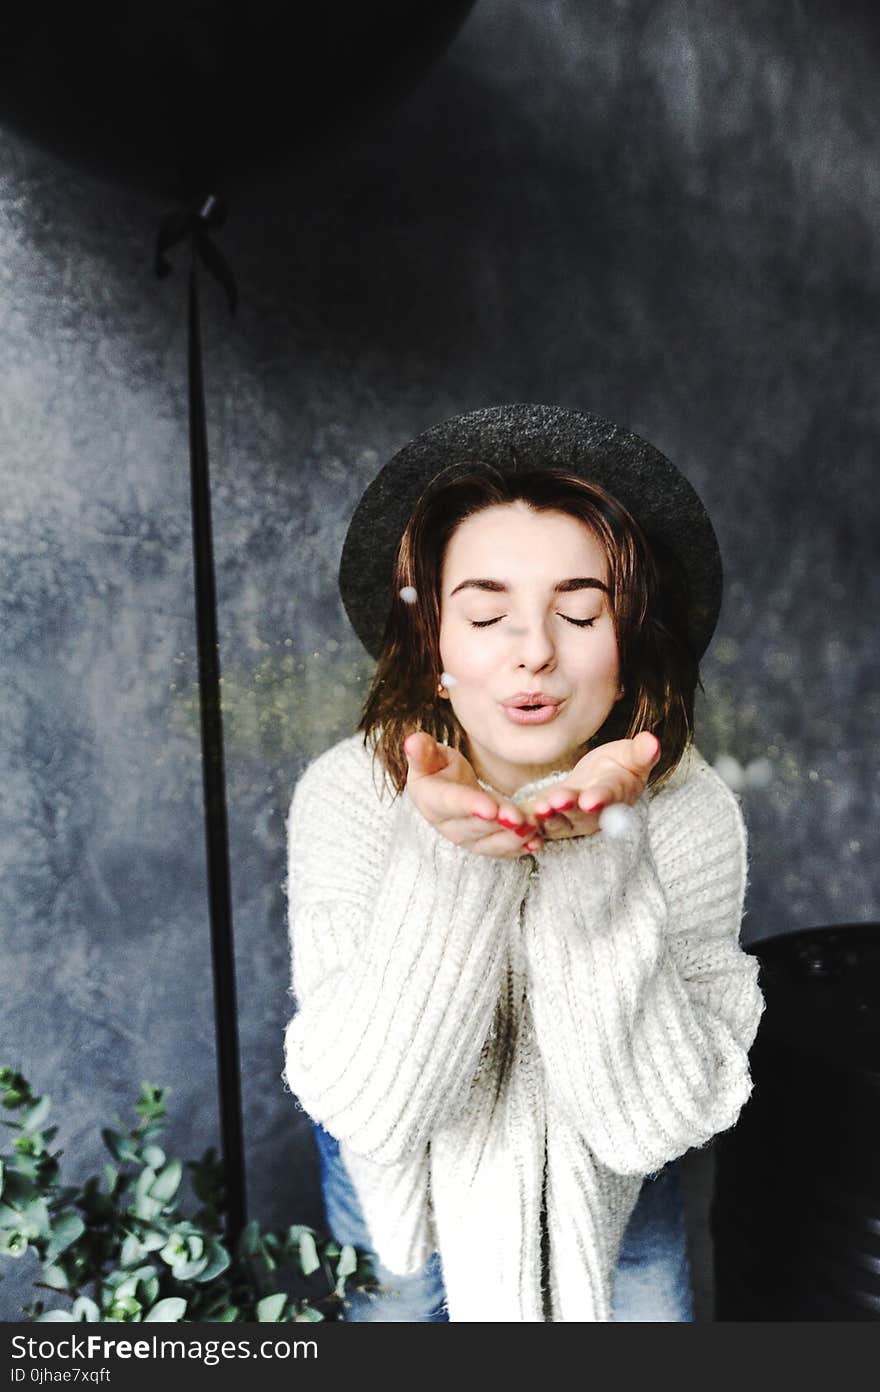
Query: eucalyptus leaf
270	1308
120	1147
170	1310
147	1208
126	1308
34	1117
56	1277
195	1245
293	1235
111	1174
152	1240
126	1287
13	1244
145	1181
218	1260
151	1103
98	1205
127	1283
308	1254
9	1217
27	1166
132	1250
166	1186
189	1270
85	1309
35	1218
154	1156
65	1231
19	1188
249	1240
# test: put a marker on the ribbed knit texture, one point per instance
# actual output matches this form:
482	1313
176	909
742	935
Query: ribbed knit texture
456	1013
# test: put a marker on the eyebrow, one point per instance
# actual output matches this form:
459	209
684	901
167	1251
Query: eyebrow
583	582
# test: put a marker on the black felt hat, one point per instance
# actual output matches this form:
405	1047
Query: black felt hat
515	439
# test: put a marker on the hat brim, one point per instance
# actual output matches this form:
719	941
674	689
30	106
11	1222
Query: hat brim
514	439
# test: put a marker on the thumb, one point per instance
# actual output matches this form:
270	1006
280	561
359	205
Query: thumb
646	748
424	754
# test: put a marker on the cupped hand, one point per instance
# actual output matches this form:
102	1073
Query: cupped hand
617	772
445	790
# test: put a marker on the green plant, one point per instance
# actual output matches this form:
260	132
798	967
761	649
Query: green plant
124	1251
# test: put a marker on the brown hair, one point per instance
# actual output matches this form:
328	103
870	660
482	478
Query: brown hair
647	595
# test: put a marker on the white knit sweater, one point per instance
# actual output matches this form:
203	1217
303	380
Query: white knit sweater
464	1022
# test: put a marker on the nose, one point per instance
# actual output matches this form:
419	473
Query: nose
534	646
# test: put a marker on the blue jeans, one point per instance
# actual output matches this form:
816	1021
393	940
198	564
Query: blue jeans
652	1283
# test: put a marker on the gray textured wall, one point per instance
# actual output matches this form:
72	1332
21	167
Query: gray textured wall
662	212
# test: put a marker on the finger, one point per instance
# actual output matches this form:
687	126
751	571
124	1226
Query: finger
511	816
459	800
592	800
424	754
504	844
626	787
559	800
449	803
503	840
636	756
484	807
646	750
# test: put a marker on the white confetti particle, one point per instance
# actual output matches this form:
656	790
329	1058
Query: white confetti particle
409	594
616	819
448	679
759	773
731	770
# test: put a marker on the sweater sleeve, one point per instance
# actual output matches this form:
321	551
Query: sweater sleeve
645	1005
398	939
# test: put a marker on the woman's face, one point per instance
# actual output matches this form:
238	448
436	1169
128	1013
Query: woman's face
537	583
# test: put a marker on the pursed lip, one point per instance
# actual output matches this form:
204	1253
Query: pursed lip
539	712
532	698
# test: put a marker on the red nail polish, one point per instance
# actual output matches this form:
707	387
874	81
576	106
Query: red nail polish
595	807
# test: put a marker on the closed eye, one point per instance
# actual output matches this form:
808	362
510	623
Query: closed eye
487	623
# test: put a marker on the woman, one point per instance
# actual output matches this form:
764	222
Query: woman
507	1016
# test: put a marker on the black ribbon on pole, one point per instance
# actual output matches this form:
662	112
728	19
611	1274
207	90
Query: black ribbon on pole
194	224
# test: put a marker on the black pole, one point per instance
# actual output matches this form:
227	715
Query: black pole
216	826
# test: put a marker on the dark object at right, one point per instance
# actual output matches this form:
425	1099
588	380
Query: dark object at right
796	1211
